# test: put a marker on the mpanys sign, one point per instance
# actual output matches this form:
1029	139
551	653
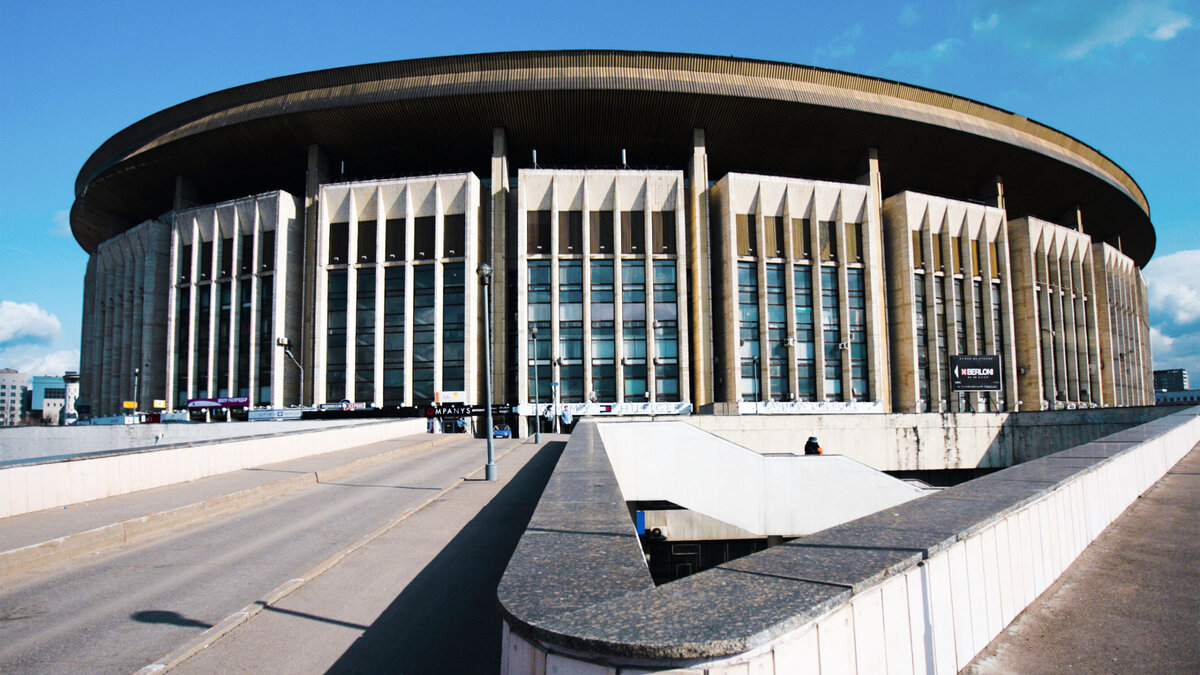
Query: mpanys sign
975	372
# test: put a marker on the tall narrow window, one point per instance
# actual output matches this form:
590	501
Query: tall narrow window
666	332
246	255
922	343
604	374
266	250
777	332
976	263
570	330
424	334
393	336
747	235
956	261
266	337
206	260
245	326
775	237
225	269
364	337
633	231
748	342
394	242
854	242
454	308
224	320
633	329
802	238
335	344
829	230
994	254
570	232
537	224
454	235
183	324
918	251
203	318
806	389
424	237
185	264
366	241
998	327
831	328
939	263
600	224
542	375
943	345
339	243
664	231
857	308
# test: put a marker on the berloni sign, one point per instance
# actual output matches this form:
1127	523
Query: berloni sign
975	372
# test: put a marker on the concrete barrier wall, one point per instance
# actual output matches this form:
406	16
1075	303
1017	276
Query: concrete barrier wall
33	487
18	443
929	441
920	595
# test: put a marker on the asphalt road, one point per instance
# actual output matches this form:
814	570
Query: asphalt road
122	610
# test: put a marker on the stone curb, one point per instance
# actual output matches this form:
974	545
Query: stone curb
226	625
44	553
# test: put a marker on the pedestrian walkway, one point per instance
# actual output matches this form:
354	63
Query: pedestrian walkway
31	540
419	599
1129	604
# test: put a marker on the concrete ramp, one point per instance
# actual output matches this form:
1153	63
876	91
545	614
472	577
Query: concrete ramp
784	495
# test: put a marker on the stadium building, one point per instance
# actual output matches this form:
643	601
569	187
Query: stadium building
669	234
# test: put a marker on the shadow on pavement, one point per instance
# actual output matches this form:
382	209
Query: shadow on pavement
163	616
447	620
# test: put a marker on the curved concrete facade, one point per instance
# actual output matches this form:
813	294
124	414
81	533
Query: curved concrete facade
682	231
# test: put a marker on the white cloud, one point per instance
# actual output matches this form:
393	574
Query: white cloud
843	44
62	223
1074	29
25	322
1160	342
926	58
1173	286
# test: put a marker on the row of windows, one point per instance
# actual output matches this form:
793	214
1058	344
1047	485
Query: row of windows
395	239
934	353
601	296
226	263
196	326
956	259
775	242
600	225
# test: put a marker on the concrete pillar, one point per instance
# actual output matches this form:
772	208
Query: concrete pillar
316	174
700	333
876	274
495	247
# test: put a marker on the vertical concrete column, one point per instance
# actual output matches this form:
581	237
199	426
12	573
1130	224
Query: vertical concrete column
905	384
439	281
970	303
1058	336
496	254
950	299
789	282
682	277
352	298
817	232
381	290
648	200
1146	372
724	315
1093	307
696	251
157	281
555	329
409	292
318	172
933	352
1082	337
586	207
618	291
86	333
875	275
760	280
843	300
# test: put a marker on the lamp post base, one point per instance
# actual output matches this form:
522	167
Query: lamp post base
490	471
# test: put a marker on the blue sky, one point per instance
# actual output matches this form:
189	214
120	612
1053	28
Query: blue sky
1120	75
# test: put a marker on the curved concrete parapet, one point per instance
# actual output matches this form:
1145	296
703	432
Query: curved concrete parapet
918	587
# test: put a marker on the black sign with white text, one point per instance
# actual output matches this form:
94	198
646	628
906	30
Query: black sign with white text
975	372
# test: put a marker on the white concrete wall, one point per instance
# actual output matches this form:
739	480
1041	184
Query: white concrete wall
786	496
55	484
935	617
33	442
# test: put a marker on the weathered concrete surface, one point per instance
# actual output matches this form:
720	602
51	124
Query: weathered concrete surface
1129	604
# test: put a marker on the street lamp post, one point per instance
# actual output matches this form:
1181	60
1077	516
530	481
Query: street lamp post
485	278
537	419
